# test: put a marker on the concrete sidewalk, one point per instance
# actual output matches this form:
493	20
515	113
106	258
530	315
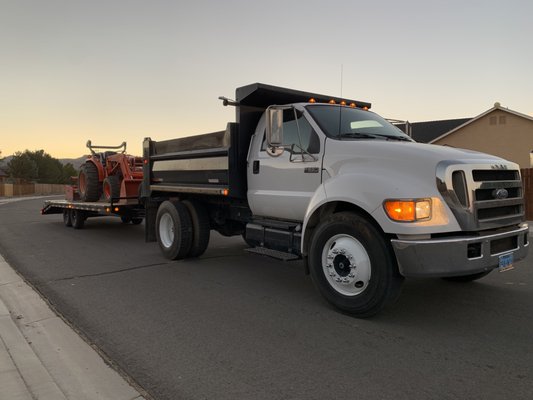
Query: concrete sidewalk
41	357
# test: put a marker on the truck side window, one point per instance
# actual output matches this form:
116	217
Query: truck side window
307	140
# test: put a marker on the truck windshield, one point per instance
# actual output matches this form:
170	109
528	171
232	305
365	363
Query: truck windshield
340	122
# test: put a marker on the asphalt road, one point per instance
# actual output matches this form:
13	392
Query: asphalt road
232	325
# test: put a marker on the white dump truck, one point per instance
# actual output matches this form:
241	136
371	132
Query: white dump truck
322	178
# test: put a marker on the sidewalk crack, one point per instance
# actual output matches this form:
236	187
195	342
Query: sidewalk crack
118	271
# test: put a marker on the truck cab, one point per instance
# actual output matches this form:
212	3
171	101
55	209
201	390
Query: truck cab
327	180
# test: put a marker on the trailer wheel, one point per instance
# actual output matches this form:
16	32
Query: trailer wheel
78	219
174	230
201	227
111	187
88	182
353	266
67	217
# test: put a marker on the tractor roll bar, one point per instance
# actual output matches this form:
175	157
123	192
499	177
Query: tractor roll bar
93	147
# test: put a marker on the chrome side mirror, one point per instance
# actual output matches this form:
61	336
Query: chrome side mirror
274	131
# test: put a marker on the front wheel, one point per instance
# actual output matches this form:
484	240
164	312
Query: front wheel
353	266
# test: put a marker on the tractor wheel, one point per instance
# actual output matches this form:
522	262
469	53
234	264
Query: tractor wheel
88	182
111	188
201	228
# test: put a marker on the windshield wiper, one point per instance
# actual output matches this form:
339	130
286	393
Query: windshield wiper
392	137
358	135
363	135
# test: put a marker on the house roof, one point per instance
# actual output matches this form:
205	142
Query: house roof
497	106
425	132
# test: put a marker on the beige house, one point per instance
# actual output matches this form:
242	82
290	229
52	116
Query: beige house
499	131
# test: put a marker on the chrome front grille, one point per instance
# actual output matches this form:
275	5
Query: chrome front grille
482	196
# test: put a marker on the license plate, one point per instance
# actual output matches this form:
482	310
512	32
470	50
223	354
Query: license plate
506	262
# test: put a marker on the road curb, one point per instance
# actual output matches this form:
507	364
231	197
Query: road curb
42	357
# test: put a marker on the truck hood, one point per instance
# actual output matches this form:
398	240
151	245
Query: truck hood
403	157
408	169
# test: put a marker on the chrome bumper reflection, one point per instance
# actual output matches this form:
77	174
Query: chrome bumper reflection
450	256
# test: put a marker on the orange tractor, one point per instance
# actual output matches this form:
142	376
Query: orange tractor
111	173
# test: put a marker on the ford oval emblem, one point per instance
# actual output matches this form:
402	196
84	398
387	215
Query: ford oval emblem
500	194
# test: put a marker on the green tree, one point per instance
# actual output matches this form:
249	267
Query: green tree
68	172
40	167
22	167
49	169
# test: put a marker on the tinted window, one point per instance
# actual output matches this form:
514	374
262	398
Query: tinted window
337	120
306	140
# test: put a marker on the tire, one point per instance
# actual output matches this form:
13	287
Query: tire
201	227
126	219
174	230
136	221
353	266
111	187
67	217
467	278
78	219
88	185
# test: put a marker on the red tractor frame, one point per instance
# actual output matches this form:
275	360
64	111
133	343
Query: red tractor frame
112	174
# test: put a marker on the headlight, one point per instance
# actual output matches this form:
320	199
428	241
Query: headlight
408	210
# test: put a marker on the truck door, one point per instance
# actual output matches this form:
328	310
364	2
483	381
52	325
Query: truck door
282	186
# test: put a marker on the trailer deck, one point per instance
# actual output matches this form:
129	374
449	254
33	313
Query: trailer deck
76	212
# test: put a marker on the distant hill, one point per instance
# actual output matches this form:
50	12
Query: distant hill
76	162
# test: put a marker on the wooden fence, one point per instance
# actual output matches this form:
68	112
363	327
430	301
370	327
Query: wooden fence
37	189
527	181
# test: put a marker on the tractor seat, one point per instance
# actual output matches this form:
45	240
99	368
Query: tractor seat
103	156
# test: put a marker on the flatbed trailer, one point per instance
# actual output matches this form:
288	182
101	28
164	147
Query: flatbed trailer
76	212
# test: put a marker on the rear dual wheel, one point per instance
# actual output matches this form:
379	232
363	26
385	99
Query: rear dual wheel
182	229
201	227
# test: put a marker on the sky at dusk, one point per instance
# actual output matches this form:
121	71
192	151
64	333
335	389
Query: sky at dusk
114	71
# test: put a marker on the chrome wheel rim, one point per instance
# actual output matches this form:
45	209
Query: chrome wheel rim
166	230
346	265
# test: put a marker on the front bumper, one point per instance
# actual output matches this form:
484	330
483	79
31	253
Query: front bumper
458	256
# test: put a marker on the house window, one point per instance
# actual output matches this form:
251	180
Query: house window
493	120
502	120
